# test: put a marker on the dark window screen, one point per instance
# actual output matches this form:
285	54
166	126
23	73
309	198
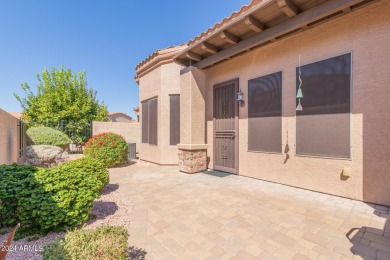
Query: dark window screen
153	121
264	113
174	124
323	126
145	122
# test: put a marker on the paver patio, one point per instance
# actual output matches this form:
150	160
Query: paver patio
220	216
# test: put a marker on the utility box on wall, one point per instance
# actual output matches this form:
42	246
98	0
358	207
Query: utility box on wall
132	151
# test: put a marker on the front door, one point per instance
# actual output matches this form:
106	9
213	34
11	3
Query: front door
226	126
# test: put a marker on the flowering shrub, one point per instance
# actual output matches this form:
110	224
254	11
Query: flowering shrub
109	148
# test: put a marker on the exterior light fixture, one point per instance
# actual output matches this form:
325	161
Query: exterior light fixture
240	97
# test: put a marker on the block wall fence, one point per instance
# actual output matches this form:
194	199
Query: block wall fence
130	131
8	138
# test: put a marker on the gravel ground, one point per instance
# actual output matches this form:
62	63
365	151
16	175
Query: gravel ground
111	208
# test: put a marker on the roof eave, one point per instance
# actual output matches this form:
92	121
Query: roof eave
178	58
295	23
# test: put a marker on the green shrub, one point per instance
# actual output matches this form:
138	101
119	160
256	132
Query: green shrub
92	167
14	179
62	197
54	251
48	136
57	198
109	148
103	242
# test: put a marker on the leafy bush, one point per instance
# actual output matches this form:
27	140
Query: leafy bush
13	182
103	242
62	197
109	148
57	198
54	251
92	167
47	135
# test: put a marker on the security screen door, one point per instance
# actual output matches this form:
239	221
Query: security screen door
226	126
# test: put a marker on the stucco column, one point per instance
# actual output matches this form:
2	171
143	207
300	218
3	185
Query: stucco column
192	147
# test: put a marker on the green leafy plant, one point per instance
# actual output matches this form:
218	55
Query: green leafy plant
62	197
14	179
54	251
103	242
109	148
48	136
62	96
57	198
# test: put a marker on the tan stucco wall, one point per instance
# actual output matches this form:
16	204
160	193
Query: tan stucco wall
8	138
129	131
192	106
366	34
161	82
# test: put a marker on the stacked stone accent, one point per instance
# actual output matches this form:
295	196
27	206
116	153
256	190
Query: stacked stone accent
192	161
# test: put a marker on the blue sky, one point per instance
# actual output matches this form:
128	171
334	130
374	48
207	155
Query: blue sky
105	38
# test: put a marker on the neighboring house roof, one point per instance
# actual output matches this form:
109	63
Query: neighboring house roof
157	58
116	114
16	114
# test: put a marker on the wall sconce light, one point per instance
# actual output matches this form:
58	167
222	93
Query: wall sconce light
240	97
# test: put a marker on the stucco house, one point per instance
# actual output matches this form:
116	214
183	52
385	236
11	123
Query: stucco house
136	112
289	91
120	117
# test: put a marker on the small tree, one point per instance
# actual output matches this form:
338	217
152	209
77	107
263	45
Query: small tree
62	96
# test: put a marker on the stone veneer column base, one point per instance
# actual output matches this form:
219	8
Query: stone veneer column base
192	161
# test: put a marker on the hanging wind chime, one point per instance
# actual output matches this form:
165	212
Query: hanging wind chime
299	92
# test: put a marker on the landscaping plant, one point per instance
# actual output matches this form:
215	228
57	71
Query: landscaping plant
63	96
13	182
103	242
48	136
56	198
109	148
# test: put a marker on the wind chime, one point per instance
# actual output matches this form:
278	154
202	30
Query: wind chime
299	92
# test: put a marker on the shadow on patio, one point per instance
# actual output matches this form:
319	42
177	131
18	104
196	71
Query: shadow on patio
372	242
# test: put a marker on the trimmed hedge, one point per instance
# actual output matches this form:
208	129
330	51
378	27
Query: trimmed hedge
109	148
103	242
46	135
57	198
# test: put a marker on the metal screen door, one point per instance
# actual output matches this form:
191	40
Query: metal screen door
226	126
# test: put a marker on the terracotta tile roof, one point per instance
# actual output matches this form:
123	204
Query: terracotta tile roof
226	20
148	62
156	53
114	113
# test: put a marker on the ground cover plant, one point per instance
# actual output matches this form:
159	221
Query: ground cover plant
48	136
109	148
103	242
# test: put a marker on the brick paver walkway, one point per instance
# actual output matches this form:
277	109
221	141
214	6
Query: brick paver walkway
220	216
